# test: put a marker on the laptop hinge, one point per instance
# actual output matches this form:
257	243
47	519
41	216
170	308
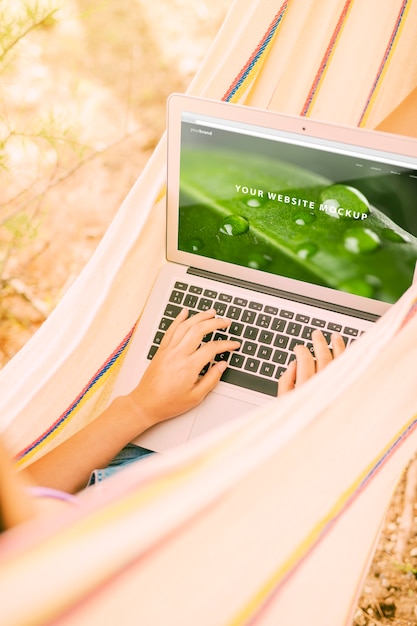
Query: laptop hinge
279	293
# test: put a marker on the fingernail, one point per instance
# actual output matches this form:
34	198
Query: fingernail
221	365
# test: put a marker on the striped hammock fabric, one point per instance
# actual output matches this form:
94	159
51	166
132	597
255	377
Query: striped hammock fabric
262	519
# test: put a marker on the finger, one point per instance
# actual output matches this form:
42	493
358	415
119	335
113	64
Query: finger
209	380
306	366
209	350
168	337
287	379
195	327
195	333
338	345
321	350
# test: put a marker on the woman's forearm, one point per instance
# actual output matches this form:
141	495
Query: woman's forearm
68	466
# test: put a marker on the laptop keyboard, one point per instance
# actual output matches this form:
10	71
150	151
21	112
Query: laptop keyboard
268	334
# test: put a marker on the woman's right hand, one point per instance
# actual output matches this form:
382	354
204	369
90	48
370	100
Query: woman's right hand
305	364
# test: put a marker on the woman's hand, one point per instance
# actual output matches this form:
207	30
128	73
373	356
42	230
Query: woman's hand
172	383
306	365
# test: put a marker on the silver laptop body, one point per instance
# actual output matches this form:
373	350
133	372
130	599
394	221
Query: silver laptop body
283	224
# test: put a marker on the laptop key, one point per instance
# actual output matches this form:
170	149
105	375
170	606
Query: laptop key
165	323
267	369
204	304
249	347
280	357
294	329
266	336
222	356
251	333
304	319
334	328
236	360
176	296
278	325
279	372
263	320
158	338
307	332
220	308
190	301
296	342
271	310
351	332
319	323
264	353
181	286
236	329
233	312
281	341
171	310
252	365
152	351
250	381
209	293
248	317
195	289
256	306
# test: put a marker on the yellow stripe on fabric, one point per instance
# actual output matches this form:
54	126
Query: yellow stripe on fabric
142	496
385	65
277	579
63	425
256	61
71	536
88	395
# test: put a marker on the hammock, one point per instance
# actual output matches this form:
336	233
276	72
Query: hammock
248	524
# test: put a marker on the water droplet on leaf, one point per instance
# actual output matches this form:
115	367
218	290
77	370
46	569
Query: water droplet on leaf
392	235
306	250
194	245
344	201
302	219
361	240
259	261
234	225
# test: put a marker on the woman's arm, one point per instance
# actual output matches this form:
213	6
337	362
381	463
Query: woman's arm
170	386
16	506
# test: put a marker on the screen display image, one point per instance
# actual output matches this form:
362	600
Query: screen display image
336	220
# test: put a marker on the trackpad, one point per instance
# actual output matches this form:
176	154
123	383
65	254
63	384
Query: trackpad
216	410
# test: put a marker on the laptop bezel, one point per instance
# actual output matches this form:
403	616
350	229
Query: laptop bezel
400	149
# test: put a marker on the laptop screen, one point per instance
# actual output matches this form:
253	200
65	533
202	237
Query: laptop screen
297	207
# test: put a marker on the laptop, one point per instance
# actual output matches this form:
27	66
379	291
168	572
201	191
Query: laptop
282	224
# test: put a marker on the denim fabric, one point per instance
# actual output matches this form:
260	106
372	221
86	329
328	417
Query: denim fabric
129	454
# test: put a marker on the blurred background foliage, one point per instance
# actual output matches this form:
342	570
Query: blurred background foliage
83	87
